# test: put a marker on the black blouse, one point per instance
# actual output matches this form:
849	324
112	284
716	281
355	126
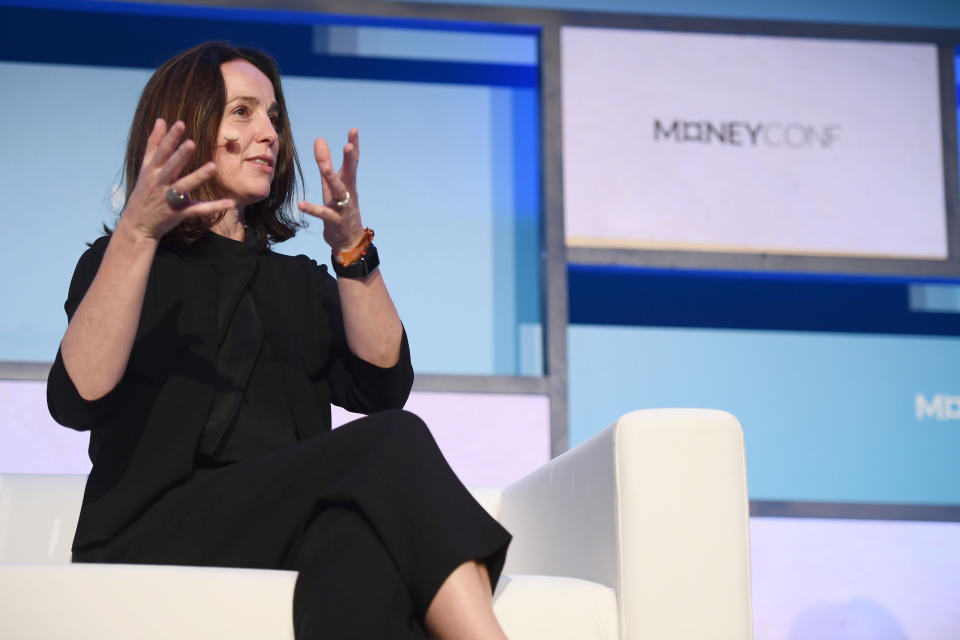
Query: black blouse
146	433
249	414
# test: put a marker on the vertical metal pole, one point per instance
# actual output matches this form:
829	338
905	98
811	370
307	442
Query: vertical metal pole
555	314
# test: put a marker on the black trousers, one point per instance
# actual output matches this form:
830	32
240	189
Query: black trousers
370	514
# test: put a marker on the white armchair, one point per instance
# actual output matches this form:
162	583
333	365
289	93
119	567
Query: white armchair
640	533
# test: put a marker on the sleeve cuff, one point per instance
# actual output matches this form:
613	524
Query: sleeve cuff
382	388
68	407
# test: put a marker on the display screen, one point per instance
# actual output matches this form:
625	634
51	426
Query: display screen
846	387
752	144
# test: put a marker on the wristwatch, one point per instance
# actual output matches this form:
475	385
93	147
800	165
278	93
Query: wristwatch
363	266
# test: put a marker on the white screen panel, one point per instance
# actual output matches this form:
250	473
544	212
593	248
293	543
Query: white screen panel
752	144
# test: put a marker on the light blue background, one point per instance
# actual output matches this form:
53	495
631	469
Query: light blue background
826	416
437	182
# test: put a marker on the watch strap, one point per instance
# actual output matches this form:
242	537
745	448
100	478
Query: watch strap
363	266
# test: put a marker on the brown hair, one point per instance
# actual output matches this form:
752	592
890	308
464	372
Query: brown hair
190	87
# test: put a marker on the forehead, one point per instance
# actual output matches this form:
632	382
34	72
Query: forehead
241	78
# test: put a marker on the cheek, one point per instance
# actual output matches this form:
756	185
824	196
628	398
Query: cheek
225	160
218	159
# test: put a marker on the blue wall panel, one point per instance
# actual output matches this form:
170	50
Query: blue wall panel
826	416
450	159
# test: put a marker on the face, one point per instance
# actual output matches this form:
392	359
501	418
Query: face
247	141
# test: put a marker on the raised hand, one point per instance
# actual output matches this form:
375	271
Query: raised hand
147	210
340	212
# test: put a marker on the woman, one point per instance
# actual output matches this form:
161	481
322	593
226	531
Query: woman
204	366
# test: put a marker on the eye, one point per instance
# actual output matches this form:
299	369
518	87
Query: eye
276	121
241	111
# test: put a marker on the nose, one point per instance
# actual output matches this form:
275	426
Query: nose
267	133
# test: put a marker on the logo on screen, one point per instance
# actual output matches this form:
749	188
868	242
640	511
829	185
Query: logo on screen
939	407
740	133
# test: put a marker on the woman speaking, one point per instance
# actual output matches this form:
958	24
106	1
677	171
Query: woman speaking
204	365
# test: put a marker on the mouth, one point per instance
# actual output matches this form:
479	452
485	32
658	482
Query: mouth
266	161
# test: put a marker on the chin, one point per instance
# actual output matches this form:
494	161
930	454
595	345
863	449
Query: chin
251	199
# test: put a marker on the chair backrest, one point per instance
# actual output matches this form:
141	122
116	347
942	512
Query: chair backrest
489	499
38	516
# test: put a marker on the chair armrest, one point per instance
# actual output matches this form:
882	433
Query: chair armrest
148	602
656	507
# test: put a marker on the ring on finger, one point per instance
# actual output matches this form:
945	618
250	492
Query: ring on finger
177	200
344	201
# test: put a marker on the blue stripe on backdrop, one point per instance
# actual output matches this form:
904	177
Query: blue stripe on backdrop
146	40
631	296
515	189
268	15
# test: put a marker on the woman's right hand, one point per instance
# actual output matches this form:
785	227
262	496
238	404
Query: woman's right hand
147	211
100	336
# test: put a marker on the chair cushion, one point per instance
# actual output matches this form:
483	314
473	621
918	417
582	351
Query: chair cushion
556	608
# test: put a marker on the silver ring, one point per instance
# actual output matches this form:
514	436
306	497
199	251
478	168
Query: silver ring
344	202
177	200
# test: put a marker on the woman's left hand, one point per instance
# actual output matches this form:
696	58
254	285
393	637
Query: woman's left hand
342	228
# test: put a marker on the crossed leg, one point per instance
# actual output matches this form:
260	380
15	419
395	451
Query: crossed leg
349	587
462	608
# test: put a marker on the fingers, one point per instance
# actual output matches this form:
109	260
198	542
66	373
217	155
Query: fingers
319	211
321	153
337	185
342	228
159	131
164	151
201	208
177	161
334	188
353	137
166	156
351	157
168	143
191	181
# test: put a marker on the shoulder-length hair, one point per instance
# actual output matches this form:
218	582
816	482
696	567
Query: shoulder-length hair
190	87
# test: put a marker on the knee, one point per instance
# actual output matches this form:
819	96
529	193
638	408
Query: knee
408	427
396	435
403	419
